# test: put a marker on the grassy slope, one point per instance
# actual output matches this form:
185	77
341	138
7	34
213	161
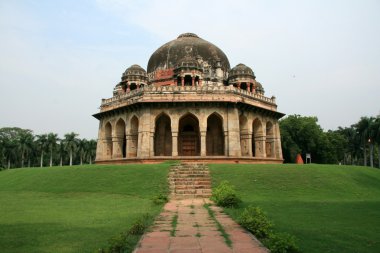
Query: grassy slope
328	208
74	209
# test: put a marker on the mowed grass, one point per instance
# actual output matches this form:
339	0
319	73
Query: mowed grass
328	208
74	209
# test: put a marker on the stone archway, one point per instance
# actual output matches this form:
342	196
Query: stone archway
163	136
121	139
214	135
188	136
108	140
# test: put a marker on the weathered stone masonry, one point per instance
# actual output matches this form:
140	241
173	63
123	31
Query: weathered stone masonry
190	107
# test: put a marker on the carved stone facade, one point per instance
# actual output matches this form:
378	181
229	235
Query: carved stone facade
189	106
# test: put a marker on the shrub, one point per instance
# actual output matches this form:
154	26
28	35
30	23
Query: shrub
225	195
126	242
254	219
160	198
281	243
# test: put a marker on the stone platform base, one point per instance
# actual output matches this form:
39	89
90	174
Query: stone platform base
193	159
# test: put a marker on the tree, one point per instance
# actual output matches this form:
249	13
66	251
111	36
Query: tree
61	150
42	143
364	131
91	150
301	135
52	140
25	143
82	148
70	143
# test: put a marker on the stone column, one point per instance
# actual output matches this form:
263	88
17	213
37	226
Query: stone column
203	143
182	81
250	144
128	87
131	145
151	151
117	143
233	132
226	143
277	146
192	80
174	143
260	146
238	85
200	82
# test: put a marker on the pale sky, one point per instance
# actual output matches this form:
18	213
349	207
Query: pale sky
58	59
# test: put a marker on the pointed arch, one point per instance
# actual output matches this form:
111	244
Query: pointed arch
163	136
214	135
257	136
121	138
108	140
188	135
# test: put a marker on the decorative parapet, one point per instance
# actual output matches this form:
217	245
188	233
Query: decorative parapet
189	94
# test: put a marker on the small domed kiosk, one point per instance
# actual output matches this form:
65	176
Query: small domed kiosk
189	105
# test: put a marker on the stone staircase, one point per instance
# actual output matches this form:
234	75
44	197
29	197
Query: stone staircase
189	180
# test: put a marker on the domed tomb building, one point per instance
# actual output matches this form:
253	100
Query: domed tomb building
189	105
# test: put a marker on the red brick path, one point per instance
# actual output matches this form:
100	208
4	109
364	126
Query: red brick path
196	231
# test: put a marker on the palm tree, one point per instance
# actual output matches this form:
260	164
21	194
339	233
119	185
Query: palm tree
61	149
91	150
362	129
376	127
10	150
71	144
52	140
82	148
42	144
25	144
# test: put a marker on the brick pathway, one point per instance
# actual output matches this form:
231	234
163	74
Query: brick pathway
195	231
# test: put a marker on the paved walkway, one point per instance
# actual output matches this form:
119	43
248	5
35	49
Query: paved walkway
195	231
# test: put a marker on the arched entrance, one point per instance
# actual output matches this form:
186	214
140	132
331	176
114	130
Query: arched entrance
214	135
188	136
257	139
108	140
163	136
121	138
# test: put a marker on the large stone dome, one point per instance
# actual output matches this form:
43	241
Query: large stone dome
186	45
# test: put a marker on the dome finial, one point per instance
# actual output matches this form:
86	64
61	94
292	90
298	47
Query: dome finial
187	35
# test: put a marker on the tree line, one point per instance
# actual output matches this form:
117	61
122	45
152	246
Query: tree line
358	144
21	148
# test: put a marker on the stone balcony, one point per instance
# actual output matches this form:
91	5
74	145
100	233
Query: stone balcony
162	94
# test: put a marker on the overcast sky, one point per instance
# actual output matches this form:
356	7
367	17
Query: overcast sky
58	59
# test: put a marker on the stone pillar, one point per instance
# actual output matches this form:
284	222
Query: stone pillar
174	143
250	144
203	143
144	134
128	87
131	145
117	148
192	80
182	81
226	143
277	145
175	82
234	148
151	150
260	146
238	85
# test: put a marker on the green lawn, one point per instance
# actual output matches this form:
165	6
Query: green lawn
328	208
74	209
